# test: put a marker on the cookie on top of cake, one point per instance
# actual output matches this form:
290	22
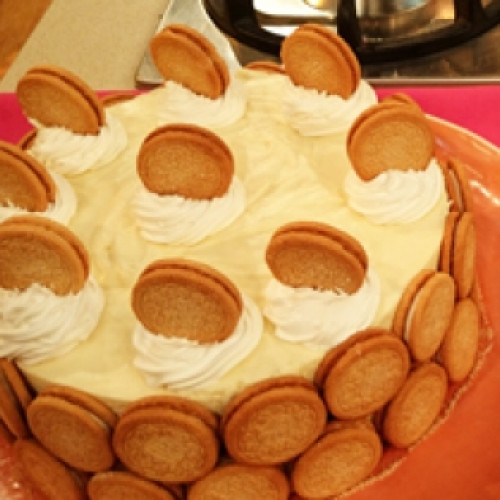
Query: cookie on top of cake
241	358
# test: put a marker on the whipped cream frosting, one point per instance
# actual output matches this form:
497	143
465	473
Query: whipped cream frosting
314	113
321	318
395	196
37	324
67	153
180	104
179	220
61	210
182	363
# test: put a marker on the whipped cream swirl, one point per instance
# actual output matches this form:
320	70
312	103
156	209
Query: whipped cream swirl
36	324
61	210
180	104
395	196
314	113
321	319
68	153
181	363
179	220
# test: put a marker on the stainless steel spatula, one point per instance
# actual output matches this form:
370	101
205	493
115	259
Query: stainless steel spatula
191	13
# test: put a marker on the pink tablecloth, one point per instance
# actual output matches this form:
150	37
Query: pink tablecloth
474	107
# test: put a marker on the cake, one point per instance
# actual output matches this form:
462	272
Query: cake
283	200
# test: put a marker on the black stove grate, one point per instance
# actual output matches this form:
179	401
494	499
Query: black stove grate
239	20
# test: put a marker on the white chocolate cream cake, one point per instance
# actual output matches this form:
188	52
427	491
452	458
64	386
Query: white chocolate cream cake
285	165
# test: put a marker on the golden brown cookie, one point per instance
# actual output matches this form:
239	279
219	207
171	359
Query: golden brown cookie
117	98
56	97
26	141
459	349
167	439
389	135
315	57
15	397
424	312
316	255
457	185
273	421
39	250
416	406
25	182
346	454
47	475
120	485
186	299
185	160
185	56
266	67
247	481
74	426
360	376
458	251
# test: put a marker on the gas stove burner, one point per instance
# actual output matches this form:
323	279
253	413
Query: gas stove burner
384	18
379	31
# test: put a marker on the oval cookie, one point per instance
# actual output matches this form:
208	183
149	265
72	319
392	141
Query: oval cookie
38	250
167	439
417	405
390	135
424	312
74	426
250	482
56	97
315	57
273	421
185	160
186	299
345	455
25	182
46	474
364	374
185	56
459	349
118	485
316	255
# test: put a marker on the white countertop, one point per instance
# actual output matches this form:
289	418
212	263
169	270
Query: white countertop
103	42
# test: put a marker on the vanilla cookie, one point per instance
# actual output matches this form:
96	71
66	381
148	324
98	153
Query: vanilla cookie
266	67
250	482
359	376
39	250
458	251
457	185
15	396
186	299
184	429
118	97
416	406
185	56
346	454
390	135
316	255
424	312
185	160
74	426
118	485
55	97
458	351
46	474
273	421
25	182
315	57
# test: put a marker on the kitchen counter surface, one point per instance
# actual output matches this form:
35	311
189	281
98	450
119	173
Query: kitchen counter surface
102	42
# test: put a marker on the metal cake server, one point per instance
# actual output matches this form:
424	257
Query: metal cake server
191	13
